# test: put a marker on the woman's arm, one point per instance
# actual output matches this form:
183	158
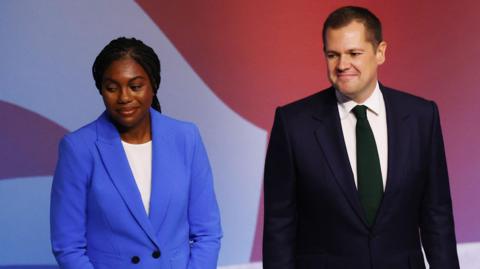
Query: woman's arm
203	212
68	207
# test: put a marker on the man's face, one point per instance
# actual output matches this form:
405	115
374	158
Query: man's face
352	61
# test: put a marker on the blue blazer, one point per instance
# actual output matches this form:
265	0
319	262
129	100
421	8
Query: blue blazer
313	214
97	216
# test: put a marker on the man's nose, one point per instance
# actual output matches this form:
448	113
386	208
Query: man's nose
343	63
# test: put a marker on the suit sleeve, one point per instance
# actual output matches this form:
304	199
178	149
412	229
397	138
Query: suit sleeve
437	227
68	209
279	233
203	212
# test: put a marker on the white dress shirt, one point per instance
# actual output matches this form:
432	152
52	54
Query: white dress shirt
140	160
377	118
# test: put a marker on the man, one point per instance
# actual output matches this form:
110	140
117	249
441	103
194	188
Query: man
355	175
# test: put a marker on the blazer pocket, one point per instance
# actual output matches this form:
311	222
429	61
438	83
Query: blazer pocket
311	261
180	257
102	257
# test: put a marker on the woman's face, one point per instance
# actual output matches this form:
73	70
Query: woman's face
127	94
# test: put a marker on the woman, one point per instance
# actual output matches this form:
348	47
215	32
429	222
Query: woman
133	189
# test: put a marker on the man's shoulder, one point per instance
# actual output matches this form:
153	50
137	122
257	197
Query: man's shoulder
326	100
408	101
325	97
401	94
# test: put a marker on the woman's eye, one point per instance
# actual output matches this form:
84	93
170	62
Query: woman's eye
111	88
135	87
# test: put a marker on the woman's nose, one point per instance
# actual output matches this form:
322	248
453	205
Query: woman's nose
125	95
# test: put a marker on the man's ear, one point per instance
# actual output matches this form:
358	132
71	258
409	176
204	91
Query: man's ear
380	53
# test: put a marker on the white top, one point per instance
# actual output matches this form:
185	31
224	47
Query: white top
377	118
140	160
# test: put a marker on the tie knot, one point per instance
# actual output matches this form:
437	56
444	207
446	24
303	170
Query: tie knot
360	112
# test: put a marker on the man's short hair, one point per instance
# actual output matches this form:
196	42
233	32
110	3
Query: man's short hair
345	15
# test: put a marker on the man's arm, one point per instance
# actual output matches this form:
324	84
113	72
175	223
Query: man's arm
437	228
280	200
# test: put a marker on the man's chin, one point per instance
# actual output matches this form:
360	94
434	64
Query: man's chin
346	91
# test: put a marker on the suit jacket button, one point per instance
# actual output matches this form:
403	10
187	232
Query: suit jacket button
156	254
135	259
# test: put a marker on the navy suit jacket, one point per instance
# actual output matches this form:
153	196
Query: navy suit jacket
313	214
97	216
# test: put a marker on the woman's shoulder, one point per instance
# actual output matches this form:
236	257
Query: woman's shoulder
173	125
84	135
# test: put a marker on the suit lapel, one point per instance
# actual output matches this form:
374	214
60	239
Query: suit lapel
398	141
330	137
161	170
117	166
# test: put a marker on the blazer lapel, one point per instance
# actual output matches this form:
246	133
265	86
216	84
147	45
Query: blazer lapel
116	163
162	173
330	137
398	141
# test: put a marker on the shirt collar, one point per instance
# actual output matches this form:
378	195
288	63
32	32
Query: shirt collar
373	103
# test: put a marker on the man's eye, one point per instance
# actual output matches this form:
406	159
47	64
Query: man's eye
354	54
331	56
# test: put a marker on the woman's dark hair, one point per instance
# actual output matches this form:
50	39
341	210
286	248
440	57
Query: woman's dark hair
129	47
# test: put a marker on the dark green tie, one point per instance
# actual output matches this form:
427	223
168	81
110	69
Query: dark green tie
369	175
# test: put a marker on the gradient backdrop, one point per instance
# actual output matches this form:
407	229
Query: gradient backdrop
226	65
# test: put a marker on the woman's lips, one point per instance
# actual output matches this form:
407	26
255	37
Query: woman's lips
126	111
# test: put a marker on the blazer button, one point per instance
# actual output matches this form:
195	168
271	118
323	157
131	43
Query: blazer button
156	254
135	259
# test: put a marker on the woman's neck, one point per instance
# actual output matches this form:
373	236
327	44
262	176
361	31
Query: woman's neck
138	134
